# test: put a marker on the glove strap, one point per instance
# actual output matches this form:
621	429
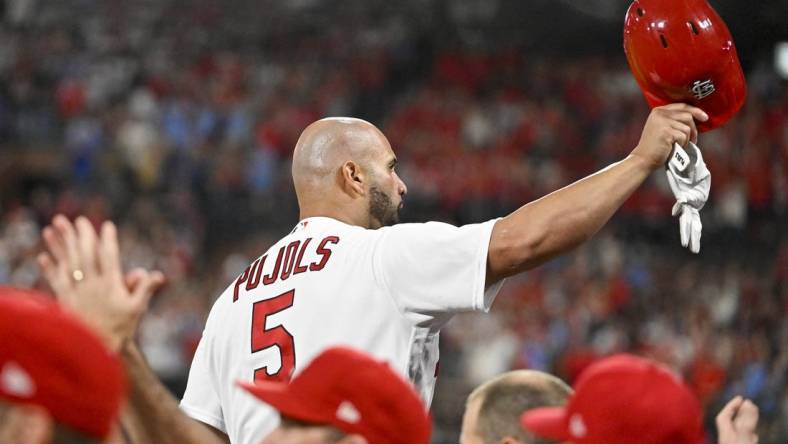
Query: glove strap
679	158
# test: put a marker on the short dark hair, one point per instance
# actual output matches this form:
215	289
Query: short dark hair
505	398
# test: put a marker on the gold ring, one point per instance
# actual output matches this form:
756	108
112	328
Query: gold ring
77	275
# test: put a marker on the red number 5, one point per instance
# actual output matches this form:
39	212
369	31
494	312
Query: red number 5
263	338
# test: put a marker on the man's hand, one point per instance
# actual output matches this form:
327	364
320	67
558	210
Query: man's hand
737	422
666	125
85	273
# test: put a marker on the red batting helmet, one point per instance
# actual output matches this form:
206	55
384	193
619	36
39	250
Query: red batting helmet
682	51
620	400
51	360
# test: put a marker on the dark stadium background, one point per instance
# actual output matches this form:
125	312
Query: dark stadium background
176	119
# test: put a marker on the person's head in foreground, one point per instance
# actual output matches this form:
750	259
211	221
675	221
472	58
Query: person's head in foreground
344	396
59	384
345	168
492	413
622	399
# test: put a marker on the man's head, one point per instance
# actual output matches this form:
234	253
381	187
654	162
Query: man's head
292	431
345	168
492	413
344	396
32	424
619	400
58	382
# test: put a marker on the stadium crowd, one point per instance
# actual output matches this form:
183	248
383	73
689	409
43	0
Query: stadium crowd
180	127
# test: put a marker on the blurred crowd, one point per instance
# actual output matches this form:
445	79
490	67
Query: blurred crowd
178	123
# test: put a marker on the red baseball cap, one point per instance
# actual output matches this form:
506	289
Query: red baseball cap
49	359
682	51
353	392
620	400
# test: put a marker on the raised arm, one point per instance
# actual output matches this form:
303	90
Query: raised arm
153	414
84	271
562	220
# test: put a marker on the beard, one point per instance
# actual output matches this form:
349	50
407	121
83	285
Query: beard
382	211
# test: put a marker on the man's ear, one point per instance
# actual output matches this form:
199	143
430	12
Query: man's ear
353	439
352	179
27	424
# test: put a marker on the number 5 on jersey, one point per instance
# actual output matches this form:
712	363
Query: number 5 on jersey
263	338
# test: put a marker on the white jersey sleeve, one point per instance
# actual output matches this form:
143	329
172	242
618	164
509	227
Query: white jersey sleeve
434	269
201	400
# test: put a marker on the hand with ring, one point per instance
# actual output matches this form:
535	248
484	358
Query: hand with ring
84	270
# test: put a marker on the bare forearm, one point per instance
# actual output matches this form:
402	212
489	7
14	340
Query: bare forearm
562	220
153	414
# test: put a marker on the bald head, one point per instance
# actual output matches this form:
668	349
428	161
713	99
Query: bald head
344	168
494	408
328	143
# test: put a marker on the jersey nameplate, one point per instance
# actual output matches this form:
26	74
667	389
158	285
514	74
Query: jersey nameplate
289	262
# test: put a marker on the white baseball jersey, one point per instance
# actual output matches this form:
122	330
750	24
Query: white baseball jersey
385	291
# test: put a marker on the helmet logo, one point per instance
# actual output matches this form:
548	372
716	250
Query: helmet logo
577	427
702	89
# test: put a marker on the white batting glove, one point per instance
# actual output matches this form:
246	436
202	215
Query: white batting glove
691	189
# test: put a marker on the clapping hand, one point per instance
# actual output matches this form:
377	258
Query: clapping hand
84	270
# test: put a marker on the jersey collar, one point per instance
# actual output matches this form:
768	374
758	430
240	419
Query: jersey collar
315	220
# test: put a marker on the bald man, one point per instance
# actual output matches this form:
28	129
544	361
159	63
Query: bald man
348	274
492	413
